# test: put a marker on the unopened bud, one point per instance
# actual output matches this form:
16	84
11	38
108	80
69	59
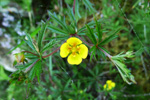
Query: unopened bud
129	54
20	57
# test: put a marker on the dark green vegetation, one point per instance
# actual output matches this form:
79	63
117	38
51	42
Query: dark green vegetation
114	26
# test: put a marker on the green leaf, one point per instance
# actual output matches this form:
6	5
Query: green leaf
36	71
88	4
111	37
91	35
93	54
57	30
50	65
54	17
99	31
124	71
90	24
48	45
70	14
41	34
30	42
77	14
3	75
32	34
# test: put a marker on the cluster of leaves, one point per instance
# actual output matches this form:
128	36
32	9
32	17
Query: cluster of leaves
75	82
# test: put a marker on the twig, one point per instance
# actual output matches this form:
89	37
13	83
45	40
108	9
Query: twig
51	81
144	67
137	95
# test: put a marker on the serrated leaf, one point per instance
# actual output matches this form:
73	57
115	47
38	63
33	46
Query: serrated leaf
30	42
36	71
124	72
90	24
111	37
48	45
93	55
99	31
54	17
88	4
57	30
77	14
91	35
32	34
70	14
41	35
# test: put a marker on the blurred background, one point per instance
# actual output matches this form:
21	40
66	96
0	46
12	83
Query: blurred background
83	82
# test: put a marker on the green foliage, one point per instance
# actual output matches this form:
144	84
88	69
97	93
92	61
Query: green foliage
36	71
41	35
113	29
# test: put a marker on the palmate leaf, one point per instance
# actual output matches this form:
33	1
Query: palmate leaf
99	31
48	45
77	14
61	23
36	71
88	4
93	53
124	71
111	37
32	34
57	30
91	35
29	41
90	24
41	34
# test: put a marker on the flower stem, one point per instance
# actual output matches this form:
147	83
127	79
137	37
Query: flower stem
84	40
74	6
31	53
108	55
31	66
51	53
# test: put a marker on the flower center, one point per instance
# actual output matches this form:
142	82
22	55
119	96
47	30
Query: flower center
74	49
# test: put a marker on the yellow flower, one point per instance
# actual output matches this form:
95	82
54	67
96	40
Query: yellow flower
109	85
75	49
81	91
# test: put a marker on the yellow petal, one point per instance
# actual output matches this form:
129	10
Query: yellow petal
113	84
105	86
108	82
73	41
83	51
64	50
74	59
109	88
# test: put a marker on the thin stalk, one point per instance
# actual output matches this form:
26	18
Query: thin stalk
83	40
31	53
74	3
51	53
31	66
